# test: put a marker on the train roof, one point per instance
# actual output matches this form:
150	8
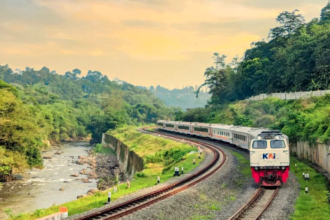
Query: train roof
221	126
201	124
183	123
255	131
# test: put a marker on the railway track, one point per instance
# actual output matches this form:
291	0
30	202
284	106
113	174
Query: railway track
143	201
258	204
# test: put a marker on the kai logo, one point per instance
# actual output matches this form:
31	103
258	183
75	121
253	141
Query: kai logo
268	156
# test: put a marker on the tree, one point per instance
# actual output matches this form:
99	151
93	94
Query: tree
290	23
325	14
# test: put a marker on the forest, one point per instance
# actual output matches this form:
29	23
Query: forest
182	98
37	106
295	57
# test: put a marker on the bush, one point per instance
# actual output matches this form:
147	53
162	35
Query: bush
141	174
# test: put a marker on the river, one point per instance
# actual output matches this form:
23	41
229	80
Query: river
40	188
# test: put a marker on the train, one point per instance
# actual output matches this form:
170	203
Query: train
268	149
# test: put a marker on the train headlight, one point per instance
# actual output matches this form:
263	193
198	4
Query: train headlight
256	168
283	168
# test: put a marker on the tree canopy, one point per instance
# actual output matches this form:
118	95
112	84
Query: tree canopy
296	57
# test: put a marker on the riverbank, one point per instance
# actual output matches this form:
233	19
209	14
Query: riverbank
58	182
146	178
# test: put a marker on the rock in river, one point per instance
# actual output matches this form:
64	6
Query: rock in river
61	189
92	191
75	175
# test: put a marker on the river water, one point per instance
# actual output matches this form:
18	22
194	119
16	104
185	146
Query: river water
40	188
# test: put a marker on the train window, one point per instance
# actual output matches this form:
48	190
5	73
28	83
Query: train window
183	127
277	144
160	124
259	144
201	129
170	125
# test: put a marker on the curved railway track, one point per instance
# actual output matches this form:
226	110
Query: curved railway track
257	205
143	201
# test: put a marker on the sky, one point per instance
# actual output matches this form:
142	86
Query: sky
144	42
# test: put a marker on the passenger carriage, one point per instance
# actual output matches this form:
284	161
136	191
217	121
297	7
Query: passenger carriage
170	125
241	136
221	132
200	129
183	127
161	124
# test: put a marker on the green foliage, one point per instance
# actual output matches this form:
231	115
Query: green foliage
98	148
141	174
296	58
305	119
181	98
313	205
39	105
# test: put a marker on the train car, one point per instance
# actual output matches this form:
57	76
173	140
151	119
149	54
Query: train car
170	125
183	127
201	129
241	136
161	124
269	150
270	158
222	132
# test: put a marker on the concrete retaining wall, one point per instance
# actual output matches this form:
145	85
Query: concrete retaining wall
318	153
290	95
128	160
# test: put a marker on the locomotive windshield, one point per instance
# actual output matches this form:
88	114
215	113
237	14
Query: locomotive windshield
277	144
259	144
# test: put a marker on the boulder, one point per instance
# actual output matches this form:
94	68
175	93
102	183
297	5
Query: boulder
75	175
85	180
81	157
47	157
92	191
83	171
61	189
92	175
58	152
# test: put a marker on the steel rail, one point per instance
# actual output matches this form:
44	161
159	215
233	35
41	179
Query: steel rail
126	208
258	194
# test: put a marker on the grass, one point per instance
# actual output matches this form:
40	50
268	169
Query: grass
141	180
103	150
243	167
313	205
244	164
159	154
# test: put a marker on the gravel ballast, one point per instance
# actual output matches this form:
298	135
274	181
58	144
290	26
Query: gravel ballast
283	204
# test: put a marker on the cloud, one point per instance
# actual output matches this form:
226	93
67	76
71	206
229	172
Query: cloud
279	4
140	41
